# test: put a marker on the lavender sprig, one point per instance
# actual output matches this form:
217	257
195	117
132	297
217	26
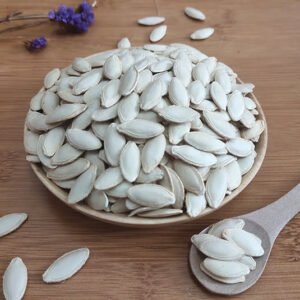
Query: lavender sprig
36	44
76	20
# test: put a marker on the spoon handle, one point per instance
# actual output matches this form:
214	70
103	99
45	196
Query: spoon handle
276	215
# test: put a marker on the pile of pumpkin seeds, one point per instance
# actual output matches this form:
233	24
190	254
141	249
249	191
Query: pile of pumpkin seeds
229	249
153	131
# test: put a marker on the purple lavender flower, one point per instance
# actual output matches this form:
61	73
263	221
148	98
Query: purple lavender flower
78	20
37	43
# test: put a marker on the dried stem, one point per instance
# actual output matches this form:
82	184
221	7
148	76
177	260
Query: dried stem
16	16
23	26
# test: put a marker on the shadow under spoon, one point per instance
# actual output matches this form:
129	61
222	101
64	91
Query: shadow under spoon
266	223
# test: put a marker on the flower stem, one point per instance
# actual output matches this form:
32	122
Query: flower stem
23	26
15	16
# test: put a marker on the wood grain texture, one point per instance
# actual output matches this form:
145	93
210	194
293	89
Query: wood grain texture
258	39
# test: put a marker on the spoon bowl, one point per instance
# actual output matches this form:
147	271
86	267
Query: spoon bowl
266	223
196	258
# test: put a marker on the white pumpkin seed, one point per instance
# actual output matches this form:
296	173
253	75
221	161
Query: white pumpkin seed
248	119
220	126
200	73
89	80
249	103
36	121
161	213
151	95
196	92
11	222
15	280
53	140
119	207
81	65
145	77
106	114
65	154
202	34
113	144
218	228
193	156
97	200
112	68
230	280
83	185
94	93
84	120
236	105
66	266
218	95
245	88
128	108
142	129
161	66
216	187
151	195
67	96
246	163
203	141
109	179
124	43
178	114
130	162
254	132
36	100
198	239
65	112
30	142
153	153
127	62
248	261
177	93
129	81
46	161
154	175
151	21
65	184
33	158
110	93
222	250
51	78
195	204
158	33
222	77
226	269
240	147
49	102
69	171
177	132
82	139
190	177
194	13
119	191
247	241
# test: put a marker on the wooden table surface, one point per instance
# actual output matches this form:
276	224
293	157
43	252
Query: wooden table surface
261	41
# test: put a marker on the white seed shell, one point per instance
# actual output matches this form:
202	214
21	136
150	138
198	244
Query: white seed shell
66	266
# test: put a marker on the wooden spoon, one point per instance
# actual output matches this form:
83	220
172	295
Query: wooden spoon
266	223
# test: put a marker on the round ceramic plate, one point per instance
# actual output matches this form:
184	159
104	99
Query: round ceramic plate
123	220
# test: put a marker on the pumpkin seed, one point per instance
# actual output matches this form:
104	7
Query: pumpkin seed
66	266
